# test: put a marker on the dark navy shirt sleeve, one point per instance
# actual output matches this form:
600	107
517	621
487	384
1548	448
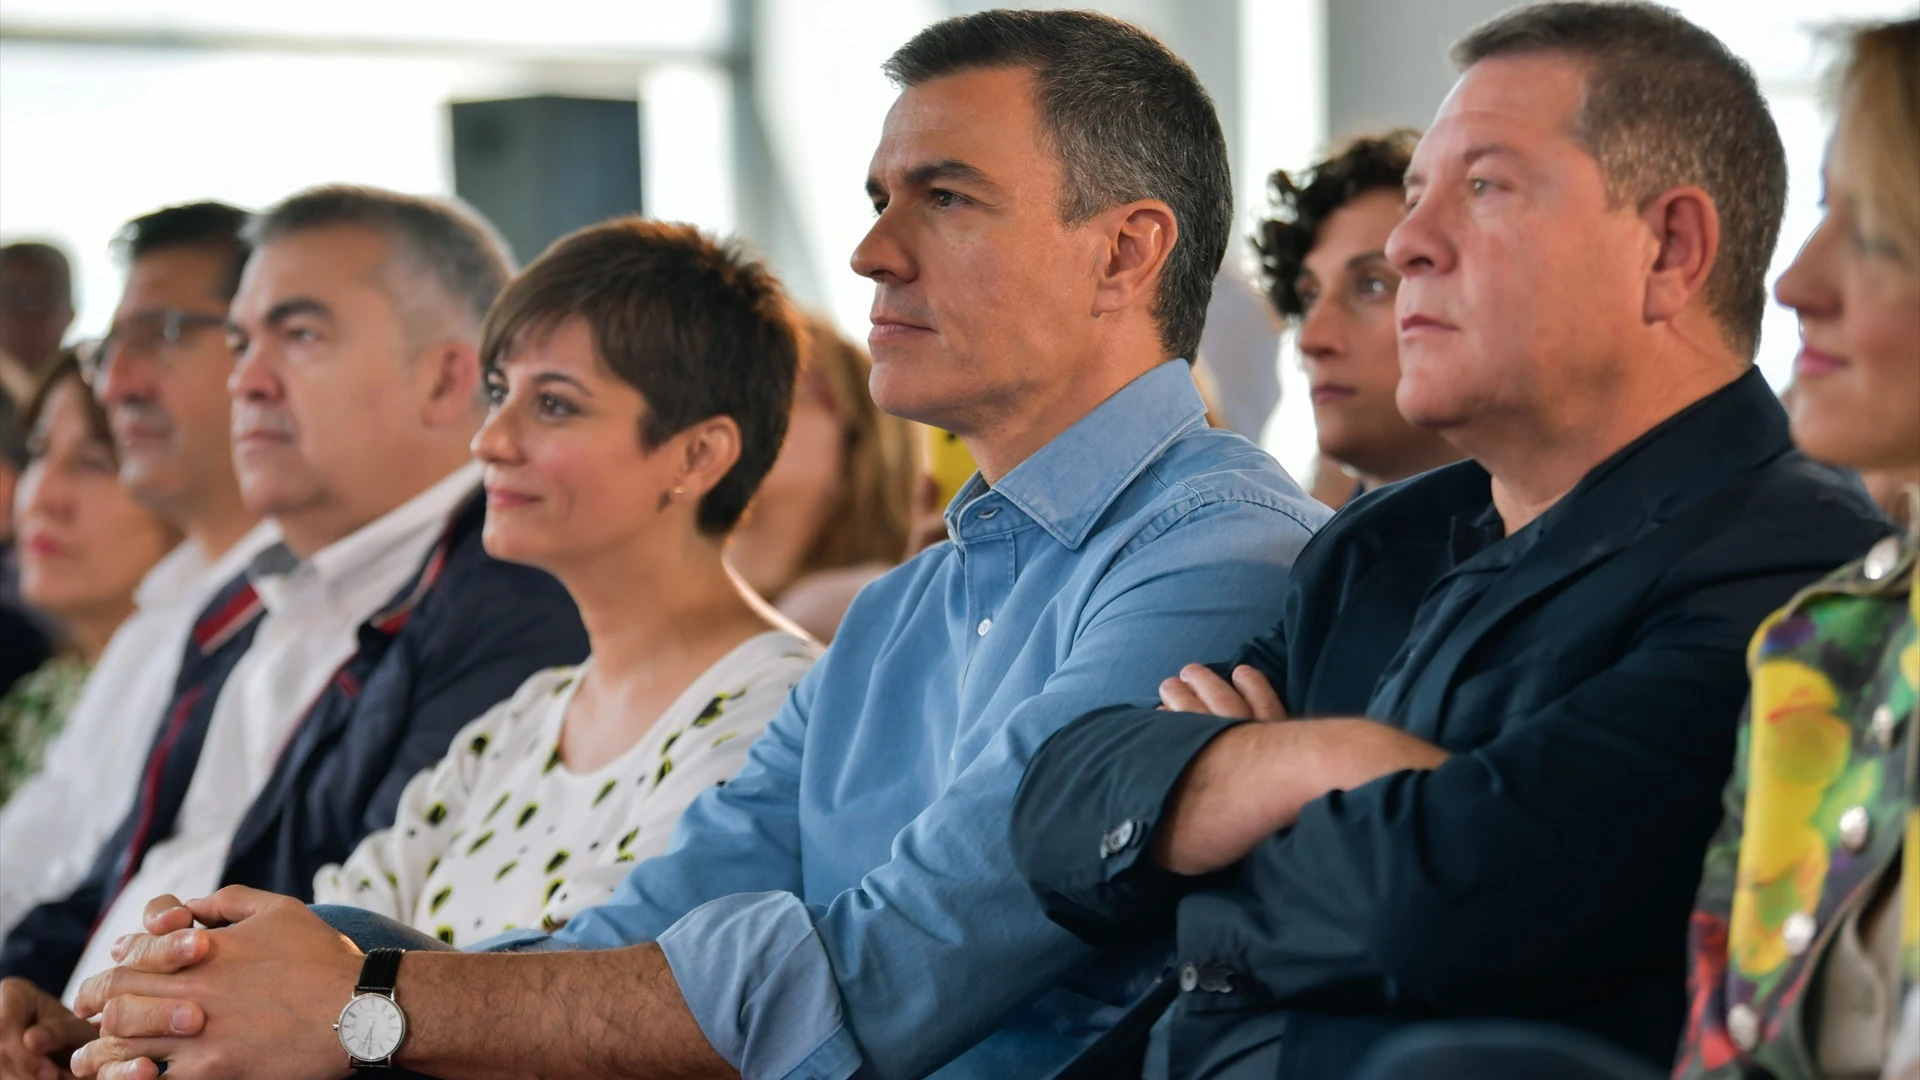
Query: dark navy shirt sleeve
1086	814
1422	875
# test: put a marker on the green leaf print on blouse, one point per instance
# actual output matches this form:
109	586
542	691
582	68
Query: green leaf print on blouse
559	859
553	761
436	813
479	745
439	900
497	806
480	841
505	870
605	790
526	815
717	707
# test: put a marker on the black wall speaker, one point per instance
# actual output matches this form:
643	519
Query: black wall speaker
541	167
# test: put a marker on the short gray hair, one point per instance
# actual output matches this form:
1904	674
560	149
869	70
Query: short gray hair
1128	120
1667	104
443	241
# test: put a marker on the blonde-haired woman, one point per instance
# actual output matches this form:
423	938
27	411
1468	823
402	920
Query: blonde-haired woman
1806	940
836	510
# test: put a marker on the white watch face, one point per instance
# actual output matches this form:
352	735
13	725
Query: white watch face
371	1027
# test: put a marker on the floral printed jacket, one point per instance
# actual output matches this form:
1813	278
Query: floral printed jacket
1817	813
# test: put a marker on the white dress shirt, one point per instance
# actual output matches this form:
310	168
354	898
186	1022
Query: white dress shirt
52	828
310	627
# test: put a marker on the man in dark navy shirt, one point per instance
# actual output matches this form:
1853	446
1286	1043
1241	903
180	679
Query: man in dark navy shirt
1517	677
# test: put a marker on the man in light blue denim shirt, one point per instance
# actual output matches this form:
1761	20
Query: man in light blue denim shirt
1053	202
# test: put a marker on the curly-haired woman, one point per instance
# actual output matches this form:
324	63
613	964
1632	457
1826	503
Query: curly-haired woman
1323	258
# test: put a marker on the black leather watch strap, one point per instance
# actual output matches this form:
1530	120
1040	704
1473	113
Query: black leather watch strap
380	972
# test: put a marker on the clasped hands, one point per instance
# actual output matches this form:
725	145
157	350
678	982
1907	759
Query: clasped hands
250	991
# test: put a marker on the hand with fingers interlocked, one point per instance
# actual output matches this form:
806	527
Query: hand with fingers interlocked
36	1033
202	998
39	1036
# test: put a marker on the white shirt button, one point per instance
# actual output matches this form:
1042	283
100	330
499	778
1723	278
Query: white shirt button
1797	932
1881	560
1882	725
985	625
1855	824
1743	1024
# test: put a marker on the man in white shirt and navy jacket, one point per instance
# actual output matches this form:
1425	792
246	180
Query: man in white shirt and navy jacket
316	684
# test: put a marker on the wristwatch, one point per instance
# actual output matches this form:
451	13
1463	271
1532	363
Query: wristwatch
372	1025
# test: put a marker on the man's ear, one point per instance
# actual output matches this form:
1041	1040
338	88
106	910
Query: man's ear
1139	237
1686	225
455	388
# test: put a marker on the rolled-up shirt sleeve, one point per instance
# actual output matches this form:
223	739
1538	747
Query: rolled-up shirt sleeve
769	942
790	991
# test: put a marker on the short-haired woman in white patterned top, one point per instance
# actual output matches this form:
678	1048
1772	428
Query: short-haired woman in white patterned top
641	378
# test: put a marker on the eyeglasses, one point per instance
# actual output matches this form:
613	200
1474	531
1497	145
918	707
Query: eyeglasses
153	334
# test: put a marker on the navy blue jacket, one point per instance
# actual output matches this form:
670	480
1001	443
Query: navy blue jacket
460	636
1589	697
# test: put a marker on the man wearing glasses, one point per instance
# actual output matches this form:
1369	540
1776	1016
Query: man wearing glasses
317	681
162	374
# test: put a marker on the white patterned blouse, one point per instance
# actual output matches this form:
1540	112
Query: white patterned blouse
500	835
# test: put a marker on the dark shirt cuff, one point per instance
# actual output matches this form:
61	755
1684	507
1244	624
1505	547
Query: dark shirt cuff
1085	816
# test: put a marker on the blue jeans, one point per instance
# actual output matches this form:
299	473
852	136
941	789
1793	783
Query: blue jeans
370	931
1501	1050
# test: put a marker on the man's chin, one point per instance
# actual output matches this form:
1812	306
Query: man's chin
149	479
897	392
274	496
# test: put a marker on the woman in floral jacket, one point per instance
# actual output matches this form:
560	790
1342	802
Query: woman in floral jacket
1806	941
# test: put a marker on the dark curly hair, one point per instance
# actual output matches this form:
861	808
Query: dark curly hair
1302	205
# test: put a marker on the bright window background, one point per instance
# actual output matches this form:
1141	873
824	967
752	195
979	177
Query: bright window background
249	102
1782	40
144	103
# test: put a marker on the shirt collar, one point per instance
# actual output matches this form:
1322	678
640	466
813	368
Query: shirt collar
1701	448
357	559
184	576
1066	485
